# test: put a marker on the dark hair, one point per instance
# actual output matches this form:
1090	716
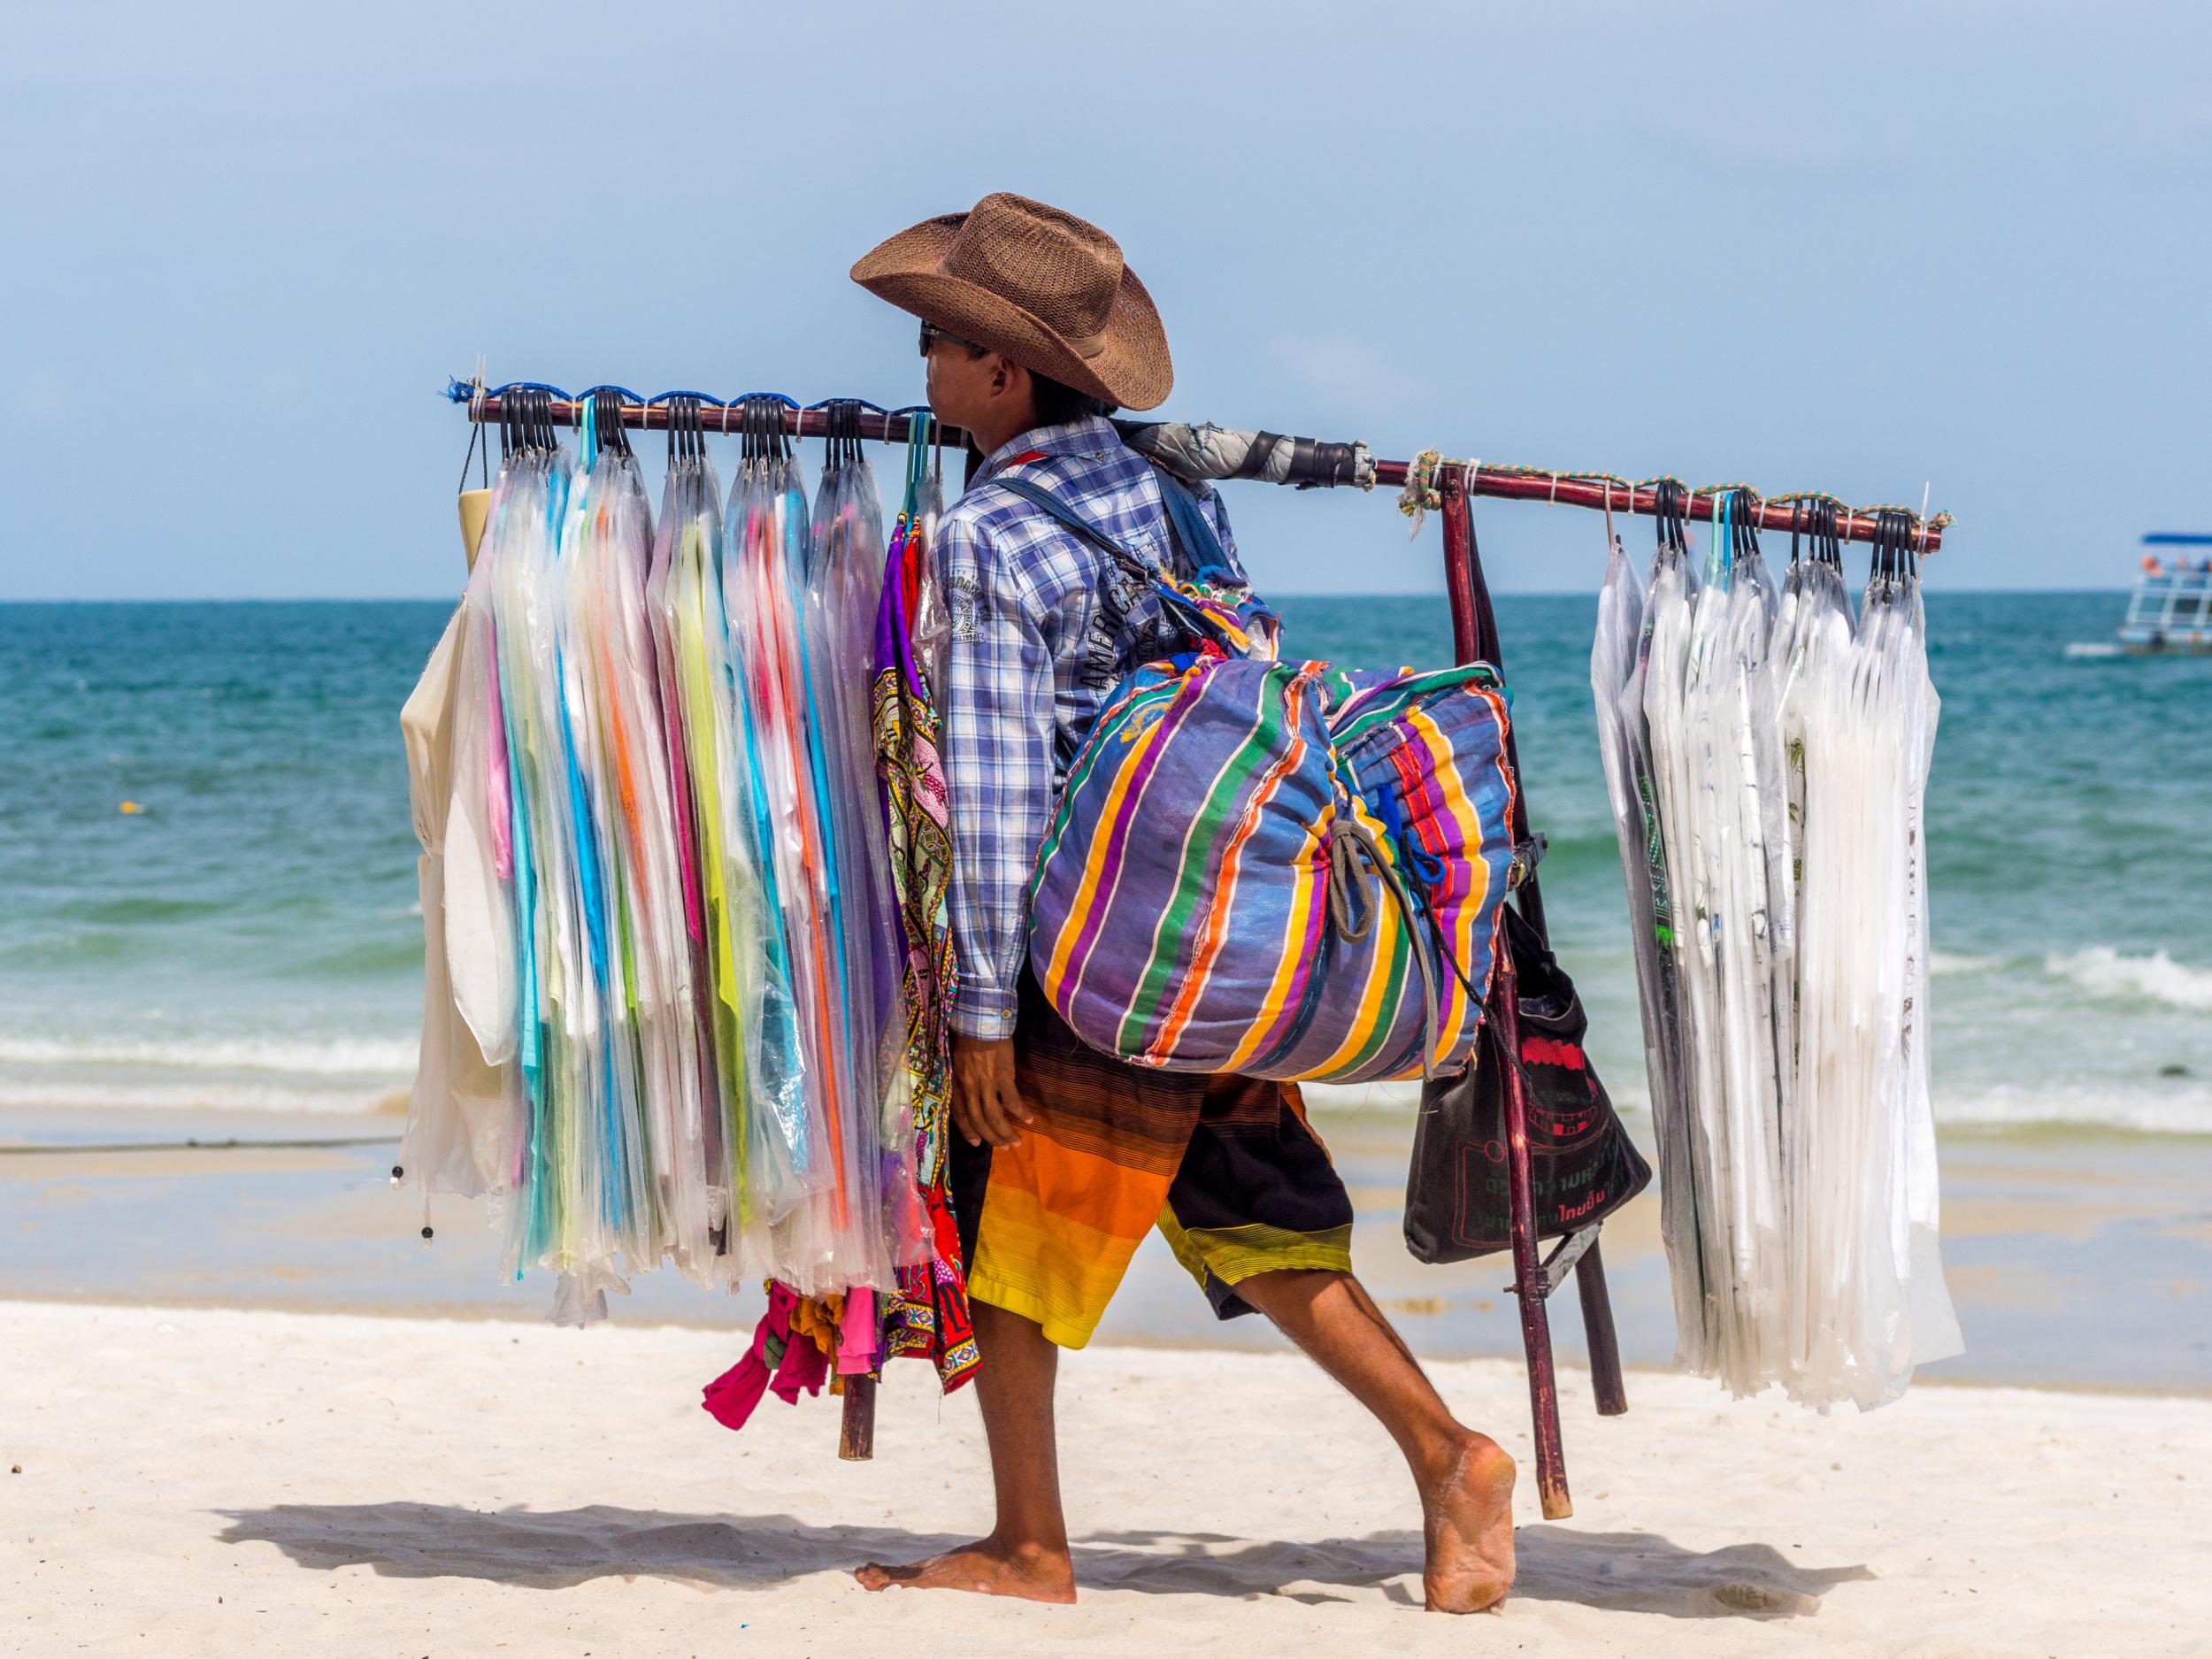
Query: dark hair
1058	404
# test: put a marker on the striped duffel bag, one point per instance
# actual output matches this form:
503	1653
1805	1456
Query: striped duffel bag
1285	870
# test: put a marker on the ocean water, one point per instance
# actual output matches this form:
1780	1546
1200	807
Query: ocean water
250	937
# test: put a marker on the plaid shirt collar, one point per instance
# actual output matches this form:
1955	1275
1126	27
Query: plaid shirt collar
1094	435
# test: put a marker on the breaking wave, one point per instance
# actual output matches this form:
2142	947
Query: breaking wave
2104	971
311	1056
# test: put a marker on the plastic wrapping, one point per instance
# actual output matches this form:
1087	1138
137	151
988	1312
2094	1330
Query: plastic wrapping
462	1110
757	1014
843	593
689	493
664	1018
766	547
1617	664
654	1009
1767	765
1860	715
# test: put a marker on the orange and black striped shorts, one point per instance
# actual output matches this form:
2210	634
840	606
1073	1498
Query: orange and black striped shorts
1225	1166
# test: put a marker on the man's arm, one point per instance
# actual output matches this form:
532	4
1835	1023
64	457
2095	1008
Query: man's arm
998	738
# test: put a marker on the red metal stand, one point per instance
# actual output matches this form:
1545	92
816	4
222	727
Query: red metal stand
1532	1281
1528	1272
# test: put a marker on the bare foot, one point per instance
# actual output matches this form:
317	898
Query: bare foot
990	1568
1467	1515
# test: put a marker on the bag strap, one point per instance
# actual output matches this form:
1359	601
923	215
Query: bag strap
1045	502
1201	627
1193	534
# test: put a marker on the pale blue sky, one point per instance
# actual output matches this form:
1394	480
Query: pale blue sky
1853	246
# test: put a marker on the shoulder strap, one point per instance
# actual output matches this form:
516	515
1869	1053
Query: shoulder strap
1201	627
1202	547
1194	536
1045	502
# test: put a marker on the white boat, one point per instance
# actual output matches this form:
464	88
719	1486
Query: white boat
2171	609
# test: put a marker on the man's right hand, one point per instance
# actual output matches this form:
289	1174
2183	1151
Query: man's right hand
986	1104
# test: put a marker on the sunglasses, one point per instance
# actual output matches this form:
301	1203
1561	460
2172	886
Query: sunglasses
932	334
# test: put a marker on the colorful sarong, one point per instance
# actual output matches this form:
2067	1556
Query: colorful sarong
928	1317
1227	1167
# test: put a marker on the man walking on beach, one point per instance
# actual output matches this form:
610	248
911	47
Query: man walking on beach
1035	331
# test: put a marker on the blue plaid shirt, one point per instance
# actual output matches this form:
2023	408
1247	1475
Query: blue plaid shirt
1044	625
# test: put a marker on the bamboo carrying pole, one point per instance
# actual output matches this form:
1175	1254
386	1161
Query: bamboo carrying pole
1564	489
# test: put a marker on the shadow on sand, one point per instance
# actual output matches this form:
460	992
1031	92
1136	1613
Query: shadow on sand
1624	1572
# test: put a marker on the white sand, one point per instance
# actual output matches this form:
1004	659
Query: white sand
231	1483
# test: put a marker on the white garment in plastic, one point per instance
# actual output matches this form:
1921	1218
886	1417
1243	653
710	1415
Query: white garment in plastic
1767	763
460	1112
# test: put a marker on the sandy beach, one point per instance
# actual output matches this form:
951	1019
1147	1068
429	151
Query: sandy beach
238	1372
225	1482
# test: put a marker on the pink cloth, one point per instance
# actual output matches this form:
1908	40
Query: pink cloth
799	1366
857	1333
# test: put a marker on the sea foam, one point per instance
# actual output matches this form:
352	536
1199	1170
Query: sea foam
310	1056
2104	971
24	1092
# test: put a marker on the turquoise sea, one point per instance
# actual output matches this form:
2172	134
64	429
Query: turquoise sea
249	938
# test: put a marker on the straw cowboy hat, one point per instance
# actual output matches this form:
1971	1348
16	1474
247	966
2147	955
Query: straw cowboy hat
1045	288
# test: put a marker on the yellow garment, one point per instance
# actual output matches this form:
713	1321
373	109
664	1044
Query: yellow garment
817	1317
476	507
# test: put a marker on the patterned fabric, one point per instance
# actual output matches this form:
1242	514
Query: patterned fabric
1280	868
918	822
1226	1167
928	1317
1044	627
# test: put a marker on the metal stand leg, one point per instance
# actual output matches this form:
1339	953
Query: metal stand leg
1528	1274
1597	1327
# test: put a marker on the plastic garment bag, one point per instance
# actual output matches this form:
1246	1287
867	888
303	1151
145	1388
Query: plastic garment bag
615	1186
1618	659
664	1018
654	1054
1860	715
689	491
765	541
843	594
1709	696
1767	764
461	1110
750	1064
